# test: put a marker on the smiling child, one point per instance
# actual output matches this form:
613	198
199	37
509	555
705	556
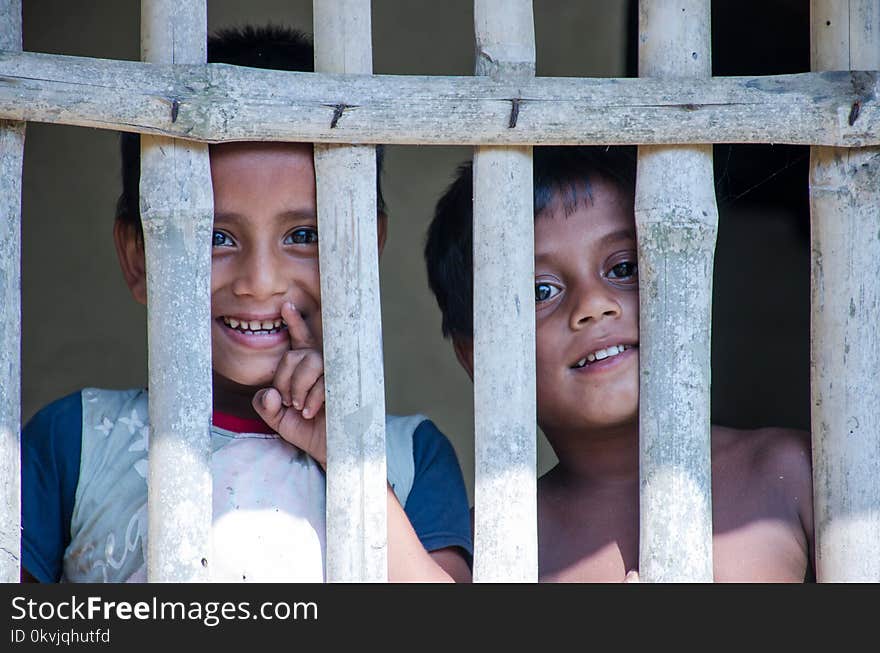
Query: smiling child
84	457
587	366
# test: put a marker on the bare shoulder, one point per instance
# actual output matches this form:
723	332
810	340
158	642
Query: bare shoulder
762	495
764	450
776	462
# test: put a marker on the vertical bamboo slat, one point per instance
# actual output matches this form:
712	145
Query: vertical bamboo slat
11	154
677	221
505	494
350	307
845	350
177	214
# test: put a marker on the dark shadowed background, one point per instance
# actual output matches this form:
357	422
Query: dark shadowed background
81	328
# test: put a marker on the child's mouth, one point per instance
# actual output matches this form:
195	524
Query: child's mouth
602	354
254	327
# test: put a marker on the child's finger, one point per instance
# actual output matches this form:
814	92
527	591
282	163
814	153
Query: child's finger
314	400
284	376
306	435
287	422
297	329
308	371
269	407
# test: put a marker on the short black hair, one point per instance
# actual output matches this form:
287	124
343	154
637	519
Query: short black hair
562	173
272	47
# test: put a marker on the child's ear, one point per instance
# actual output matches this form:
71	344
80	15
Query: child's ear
464	352
382	229
130	251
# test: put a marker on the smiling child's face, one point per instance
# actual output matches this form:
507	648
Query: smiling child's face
265	253
587	310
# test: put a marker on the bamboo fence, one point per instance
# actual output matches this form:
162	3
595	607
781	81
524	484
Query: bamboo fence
674	111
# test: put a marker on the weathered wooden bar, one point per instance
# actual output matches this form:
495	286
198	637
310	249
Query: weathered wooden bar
176	205
219	102
674	111
676	222
845	350
350	307
505	493
11	155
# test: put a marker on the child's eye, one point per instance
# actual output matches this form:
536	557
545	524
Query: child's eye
624	270
545	291
221	239
302	236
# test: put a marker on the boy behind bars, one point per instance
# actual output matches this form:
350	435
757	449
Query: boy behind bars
587	367
84	456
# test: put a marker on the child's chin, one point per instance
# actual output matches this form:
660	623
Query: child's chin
255	381
624	416
250	380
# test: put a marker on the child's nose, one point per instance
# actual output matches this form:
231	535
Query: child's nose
594	303
259	276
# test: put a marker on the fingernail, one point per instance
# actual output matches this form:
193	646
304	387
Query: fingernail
263	394
307	413
296	404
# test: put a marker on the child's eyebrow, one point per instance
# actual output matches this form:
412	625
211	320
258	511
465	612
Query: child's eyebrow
299	214
306	215
604	241
614	236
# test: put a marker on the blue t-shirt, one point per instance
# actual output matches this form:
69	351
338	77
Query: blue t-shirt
51	443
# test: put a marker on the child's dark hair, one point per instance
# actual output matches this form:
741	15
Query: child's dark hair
560	172
273	47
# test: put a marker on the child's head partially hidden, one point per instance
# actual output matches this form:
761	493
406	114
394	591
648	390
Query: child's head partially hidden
265	239
269	491
587	378
586	284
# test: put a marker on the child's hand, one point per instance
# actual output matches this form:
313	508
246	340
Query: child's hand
294	405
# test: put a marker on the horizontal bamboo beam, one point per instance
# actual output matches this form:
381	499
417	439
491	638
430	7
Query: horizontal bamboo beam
219	102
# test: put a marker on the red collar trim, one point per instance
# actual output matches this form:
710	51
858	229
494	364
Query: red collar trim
239	424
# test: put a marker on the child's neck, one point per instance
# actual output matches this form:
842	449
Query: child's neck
234	399
609	455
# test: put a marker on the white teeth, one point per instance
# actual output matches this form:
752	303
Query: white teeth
602	354
254	325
